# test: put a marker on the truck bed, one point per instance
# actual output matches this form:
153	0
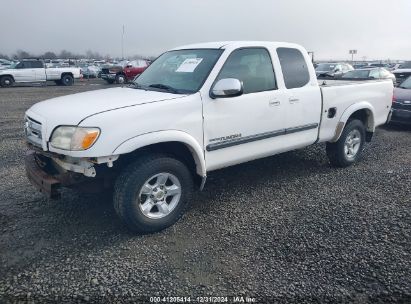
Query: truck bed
343	82
341	95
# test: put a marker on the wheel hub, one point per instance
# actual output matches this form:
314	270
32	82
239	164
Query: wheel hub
159	195
352	144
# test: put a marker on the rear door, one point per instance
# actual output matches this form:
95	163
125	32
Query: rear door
39	70
303	104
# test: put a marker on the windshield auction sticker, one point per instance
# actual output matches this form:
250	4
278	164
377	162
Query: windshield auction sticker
189	65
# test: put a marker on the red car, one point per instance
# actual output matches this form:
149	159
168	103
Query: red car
134	68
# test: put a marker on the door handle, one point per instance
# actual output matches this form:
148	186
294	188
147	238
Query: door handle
274	103
293	99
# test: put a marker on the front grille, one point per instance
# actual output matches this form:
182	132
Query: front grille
32	129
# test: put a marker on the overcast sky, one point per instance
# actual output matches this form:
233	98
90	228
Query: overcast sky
376	28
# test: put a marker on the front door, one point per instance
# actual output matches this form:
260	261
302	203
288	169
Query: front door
24	72
246	127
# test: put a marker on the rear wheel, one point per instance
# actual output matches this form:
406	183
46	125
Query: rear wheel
347	150
153	193
6	81
67	80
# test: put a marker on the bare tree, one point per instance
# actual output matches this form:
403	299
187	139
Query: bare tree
4	56
20	54
49	55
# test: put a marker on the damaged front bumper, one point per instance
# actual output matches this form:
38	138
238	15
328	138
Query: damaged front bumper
48	173
40	178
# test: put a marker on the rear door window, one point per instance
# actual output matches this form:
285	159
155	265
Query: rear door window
294	67
36	64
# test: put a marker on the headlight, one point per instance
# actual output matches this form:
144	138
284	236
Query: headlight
74	138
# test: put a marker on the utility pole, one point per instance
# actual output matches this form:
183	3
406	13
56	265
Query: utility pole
122	44
312	55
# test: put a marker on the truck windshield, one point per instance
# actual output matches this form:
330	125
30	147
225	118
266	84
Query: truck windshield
179	72
406	65
13	65
406	84
325	67
357	74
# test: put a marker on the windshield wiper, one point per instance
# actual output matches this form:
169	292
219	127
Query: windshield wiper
137	85
164	87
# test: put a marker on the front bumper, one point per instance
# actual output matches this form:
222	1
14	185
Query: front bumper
401	116
48	177
108	76
44	181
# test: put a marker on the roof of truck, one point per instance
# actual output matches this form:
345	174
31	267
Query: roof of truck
235	44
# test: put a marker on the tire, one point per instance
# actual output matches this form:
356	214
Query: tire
120	79
67	80
6	81
142	203
110	81
347	150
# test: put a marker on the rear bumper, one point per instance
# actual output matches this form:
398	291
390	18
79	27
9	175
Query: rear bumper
401	116
39	178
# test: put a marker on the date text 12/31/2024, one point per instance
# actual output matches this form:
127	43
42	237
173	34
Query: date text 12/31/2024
206	299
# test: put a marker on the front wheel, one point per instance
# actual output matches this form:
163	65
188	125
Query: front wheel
347	150
120	79
6	81
153	193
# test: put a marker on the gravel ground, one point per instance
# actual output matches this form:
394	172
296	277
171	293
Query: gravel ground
287	228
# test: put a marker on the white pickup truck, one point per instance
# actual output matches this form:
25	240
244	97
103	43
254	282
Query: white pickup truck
35	71
196	109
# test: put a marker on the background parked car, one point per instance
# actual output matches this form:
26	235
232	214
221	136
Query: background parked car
369	73
114	73
89	71
360	65
403	71
135	68
332	70
4	63
401	103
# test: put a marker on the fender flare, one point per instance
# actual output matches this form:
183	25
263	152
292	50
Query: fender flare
157	137
10	75
362	105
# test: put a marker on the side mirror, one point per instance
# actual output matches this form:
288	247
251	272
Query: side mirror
227	87
337	70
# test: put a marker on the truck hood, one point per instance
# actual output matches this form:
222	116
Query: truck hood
6	71
72	109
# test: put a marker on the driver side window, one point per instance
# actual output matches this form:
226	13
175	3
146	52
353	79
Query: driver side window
253	67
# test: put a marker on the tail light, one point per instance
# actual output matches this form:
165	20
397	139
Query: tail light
394	99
